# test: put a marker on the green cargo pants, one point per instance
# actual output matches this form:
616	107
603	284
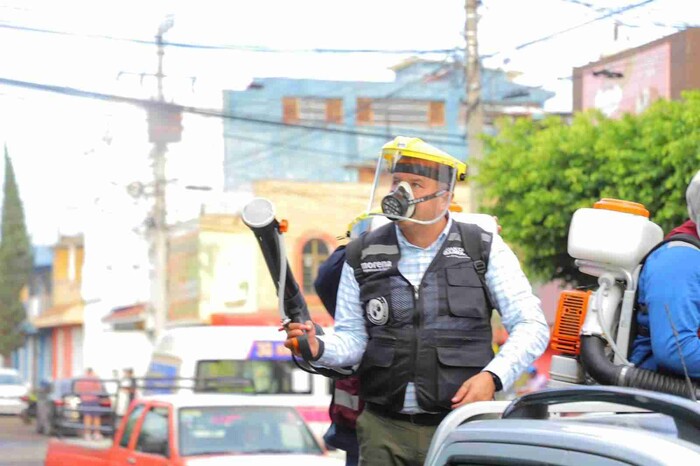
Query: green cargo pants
391	442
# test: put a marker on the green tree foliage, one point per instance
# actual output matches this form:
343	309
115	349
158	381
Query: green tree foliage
15	263
537	173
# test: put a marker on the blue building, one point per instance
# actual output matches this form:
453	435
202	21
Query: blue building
316	130
34	358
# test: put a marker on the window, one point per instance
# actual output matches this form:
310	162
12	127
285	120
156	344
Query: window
244	430
130	423
334	111
272	372
314	253
10	379
312	110
400	112
153	437
290	110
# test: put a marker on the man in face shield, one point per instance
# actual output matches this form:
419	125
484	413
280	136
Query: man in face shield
414	307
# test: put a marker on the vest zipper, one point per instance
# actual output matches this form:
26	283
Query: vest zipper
416	331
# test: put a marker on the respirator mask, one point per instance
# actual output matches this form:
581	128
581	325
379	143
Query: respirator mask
401	203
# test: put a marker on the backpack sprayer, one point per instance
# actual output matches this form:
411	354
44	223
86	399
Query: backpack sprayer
259	216
609	241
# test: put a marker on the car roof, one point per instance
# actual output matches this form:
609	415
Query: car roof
612	441
186	400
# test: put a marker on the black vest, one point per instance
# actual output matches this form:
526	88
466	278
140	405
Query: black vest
437	334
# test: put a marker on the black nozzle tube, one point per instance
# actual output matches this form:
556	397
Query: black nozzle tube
603	371
294	302
259	216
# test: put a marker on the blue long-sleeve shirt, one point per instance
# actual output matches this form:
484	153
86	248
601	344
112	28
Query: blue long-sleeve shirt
670	278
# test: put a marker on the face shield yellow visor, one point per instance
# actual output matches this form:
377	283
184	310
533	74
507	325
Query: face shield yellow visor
412	189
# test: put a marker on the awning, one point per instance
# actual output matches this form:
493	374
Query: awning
133	314
58	316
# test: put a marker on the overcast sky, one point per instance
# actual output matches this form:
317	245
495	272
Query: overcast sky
72	155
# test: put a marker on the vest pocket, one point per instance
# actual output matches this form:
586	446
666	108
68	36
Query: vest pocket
379	352
374	375
465	293
456	365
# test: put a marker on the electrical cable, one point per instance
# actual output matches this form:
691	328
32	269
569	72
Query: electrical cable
175	108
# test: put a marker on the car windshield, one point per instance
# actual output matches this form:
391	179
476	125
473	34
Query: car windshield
244	430
10	379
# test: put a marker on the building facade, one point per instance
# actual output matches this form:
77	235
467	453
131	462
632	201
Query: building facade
629	81
34	358
305	129
61	324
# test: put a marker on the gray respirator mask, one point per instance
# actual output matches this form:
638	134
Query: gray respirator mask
401	203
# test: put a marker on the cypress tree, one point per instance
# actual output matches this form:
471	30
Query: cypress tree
15	263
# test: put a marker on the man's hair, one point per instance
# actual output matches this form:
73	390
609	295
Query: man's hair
692	198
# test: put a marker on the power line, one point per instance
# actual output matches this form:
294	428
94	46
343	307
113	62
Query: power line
572	28
64	90
240	48
626	24
604	16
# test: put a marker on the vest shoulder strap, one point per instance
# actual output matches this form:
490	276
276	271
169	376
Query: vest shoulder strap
477	245
353	255
683	238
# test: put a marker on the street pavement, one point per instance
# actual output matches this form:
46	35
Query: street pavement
20	445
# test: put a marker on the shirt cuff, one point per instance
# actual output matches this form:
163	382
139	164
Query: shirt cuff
500	368
326	357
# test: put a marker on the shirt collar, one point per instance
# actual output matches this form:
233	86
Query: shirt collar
440	239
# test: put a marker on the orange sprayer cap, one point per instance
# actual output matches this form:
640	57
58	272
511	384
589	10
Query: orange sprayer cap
619	205
284	226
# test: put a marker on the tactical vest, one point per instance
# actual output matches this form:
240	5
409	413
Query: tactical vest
436	335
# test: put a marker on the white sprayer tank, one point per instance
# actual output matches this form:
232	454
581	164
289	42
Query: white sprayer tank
614	232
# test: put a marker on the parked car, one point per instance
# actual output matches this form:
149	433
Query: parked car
14	392
58	408
198	430
572	426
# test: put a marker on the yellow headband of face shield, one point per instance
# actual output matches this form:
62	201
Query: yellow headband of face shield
417	149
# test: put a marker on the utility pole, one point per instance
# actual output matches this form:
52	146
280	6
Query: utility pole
475	111
163	127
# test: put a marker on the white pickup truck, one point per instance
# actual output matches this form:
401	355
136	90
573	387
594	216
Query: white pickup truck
587	425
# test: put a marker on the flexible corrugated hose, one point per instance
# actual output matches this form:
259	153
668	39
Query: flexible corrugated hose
603	371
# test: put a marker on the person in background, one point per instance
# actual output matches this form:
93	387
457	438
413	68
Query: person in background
346	405
668	317
88	388
126	394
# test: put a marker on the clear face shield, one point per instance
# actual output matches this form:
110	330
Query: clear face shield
411	189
